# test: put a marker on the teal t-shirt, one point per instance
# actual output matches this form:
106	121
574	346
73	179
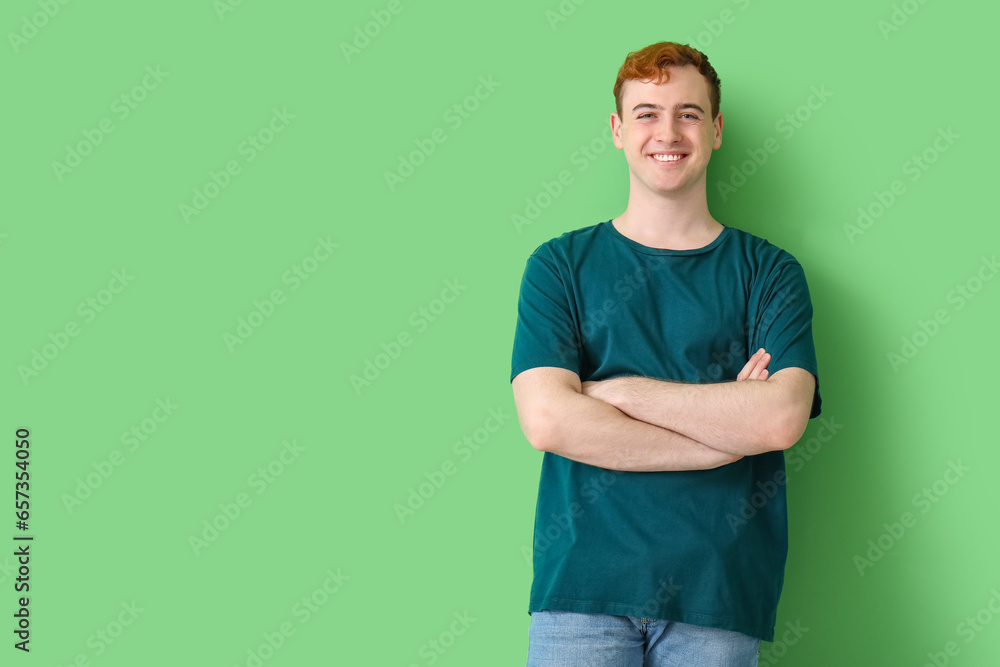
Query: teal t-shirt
705	547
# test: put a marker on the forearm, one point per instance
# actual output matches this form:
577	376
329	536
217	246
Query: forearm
589	430
743	418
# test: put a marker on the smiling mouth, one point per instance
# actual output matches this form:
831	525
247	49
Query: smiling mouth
668	157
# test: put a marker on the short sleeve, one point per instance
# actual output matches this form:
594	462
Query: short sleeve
545	333
782	323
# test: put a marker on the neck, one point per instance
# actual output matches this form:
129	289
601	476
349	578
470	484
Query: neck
682	222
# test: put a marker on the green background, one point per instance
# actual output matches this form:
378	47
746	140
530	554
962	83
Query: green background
331	508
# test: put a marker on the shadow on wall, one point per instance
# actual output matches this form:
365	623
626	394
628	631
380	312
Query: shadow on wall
835	474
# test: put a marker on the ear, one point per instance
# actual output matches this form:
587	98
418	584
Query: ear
718	131
616	130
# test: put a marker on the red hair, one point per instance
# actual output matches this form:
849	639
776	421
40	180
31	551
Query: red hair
651	63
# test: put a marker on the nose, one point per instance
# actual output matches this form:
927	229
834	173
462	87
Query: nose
669	131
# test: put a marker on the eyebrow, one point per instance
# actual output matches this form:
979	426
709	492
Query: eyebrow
677	107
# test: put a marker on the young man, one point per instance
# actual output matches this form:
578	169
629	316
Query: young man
662	361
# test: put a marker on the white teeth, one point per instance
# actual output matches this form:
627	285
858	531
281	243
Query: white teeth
667	158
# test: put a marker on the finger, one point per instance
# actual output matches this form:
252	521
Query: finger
751	365
760	367
747	367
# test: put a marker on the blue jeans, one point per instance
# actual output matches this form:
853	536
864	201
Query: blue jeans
569	639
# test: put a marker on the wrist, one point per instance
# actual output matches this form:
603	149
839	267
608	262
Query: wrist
621	390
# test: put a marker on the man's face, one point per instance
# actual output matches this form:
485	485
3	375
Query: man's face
667	132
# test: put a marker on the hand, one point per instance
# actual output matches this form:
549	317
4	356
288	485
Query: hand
756	368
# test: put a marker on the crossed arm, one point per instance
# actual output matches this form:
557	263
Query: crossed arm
644	424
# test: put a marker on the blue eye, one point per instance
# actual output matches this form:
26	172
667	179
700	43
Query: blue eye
644	115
